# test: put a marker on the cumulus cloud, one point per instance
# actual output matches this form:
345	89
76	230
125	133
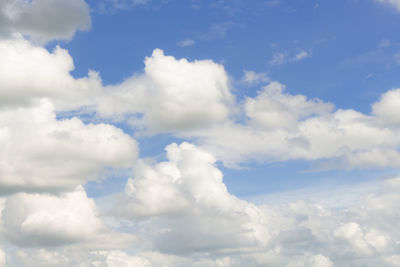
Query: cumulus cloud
387	108
40	152
281	127
45	220
29	73
186	197
273	109
44	20
212	228
181	206
172	94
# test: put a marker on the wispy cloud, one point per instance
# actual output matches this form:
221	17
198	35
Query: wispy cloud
284	57
251	77
216	31
186	42
392	3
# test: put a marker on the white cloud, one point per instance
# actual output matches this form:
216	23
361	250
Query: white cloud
28	73
273	109
111	6
301	55
216	31
394	3
45	220
278	58
387	108
118	258
44	20
282	127
2	258
186	42
251	77
172	94
281	58
215	229
186	200
42	153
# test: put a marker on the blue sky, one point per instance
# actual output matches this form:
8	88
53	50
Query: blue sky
199	133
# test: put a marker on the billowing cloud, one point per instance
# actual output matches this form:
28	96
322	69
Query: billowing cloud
172	94
45	220
186	197
40	152
274	109
43	20
387	108
281	127
29	73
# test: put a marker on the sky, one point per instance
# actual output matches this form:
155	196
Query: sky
199	133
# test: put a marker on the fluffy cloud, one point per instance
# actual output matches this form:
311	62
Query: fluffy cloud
214	229
172	94
184	201
40	152
46	220
387	108
43	20
189	206
29	73
281	127
273	109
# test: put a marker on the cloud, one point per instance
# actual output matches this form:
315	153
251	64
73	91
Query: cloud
44	20
301	55
281	127
186	196
213	228
186	42
40	152
393	3
386	109
275	110
278	58
281	58
182	207
111	6
45	220
29	73
2	258
252	78
216	31
172	94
